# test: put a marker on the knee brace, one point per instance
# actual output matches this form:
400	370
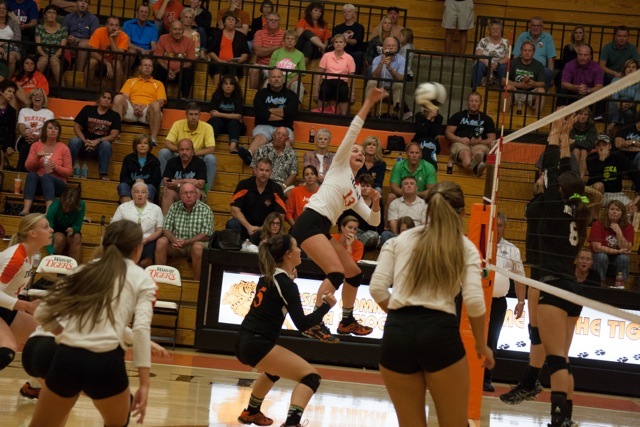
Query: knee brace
272	378
355	281
312	381
556	363
6	357
336	279
534	335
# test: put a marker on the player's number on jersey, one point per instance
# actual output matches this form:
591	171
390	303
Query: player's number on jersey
257	300
573	234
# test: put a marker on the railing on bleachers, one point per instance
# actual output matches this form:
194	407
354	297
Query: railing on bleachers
595	35
291	11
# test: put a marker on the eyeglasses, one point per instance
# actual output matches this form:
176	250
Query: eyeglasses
273	20
190	193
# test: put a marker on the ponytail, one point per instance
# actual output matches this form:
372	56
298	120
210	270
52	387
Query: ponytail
90	293
271	253
438	259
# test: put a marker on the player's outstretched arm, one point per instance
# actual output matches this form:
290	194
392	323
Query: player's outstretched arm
375	96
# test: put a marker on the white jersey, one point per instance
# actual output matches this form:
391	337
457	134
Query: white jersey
393	266
135	302
340	191
15	273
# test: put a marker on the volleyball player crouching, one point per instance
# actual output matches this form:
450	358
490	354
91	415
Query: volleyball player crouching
421	347
16	319
277	294
338	192
565	218
95	304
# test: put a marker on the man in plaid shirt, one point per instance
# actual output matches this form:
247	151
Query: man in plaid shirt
187	228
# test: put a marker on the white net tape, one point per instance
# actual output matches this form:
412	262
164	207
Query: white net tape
596	96
569	296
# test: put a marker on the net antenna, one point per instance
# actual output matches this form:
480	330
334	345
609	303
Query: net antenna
497	147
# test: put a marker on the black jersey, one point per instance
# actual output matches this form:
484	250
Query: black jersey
271	304
559	237
533	213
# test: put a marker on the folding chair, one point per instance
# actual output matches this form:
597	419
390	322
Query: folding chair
163	274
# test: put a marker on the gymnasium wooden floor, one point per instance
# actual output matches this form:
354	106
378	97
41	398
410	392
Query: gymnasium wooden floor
198	389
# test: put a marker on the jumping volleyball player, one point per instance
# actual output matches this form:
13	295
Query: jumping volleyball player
338	192
561	233
529	387
95	304
16	316
277	294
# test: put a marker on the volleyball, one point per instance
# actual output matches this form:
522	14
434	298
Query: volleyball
430	95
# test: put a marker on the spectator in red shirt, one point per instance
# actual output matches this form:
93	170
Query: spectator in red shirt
167	11
611	240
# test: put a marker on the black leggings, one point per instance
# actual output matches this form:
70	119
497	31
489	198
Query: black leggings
305	46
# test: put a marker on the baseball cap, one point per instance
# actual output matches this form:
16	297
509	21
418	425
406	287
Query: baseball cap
603	137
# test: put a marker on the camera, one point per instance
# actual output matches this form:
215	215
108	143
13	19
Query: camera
389	53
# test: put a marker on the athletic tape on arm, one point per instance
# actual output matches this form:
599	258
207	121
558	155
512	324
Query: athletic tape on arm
596	96
569	296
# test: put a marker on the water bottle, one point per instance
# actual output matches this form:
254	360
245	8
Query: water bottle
449	167
84	171
619	280
76	169
312	135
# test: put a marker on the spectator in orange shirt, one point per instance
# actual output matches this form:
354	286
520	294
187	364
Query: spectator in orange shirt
29	78
298	197
141	99
243	19
175	45
167	11
347	237
313	33
112	39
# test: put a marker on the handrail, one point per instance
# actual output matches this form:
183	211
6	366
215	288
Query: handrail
561	31
368	15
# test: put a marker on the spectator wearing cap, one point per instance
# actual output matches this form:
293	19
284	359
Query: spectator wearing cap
606	169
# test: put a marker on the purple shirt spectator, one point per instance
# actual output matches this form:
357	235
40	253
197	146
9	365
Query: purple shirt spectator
589	74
